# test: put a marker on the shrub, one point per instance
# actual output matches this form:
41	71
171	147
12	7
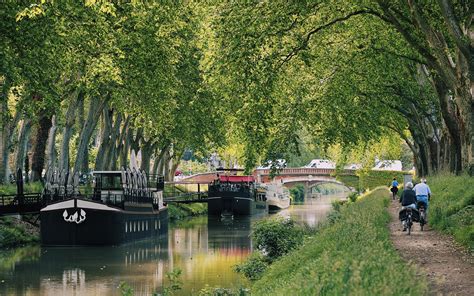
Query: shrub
353	196
14	234
276	236
254	267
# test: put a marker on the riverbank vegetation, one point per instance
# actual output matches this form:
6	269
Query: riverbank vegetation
352	254
370	179
178	211
272	238
32	187
14	233
451	208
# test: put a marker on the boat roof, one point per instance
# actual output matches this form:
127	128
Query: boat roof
237	179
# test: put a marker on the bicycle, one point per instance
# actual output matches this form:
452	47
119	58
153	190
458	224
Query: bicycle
421	208
409	220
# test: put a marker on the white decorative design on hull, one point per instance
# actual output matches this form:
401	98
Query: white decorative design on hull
74	217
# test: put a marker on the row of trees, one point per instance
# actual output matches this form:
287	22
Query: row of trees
118	78
352	71
87	85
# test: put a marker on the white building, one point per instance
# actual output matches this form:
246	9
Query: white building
388	165
321	164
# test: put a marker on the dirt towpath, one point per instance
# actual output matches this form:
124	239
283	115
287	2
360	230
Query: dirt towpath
448	267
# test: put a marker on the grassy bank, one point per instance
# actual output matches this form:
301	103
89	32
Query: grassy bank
451	209
14	232
353	255
179	211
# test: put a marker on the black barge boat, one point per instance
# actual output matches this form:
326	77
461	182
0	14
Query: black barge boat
123	208
234	195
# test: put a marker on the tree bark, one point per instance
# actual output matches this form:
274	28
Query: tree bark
4	130
105	138
111	153
75	103
39	147
50	146
95	108
174	164
166	165
22	144
8	124
452	123
159	160
81	120
146	148
124	144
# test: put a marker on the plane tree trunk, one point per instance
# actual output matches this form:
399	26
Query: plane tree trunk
95	109
39	147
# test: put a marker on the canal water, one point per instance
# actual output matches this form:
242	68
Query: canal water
204	250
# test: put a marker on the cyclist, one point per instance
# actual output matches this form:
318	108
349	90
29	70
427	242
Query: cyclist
423	193
394	188
408	200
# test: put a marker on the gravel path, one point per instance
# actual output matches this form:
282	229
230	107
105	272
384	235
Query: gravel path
448	267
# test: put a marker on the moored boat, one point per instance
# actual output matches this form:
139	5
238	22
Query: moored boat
234	195
276	195
123	208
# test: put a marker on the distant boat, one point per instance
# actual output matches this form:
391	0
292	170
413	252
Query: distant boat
277	196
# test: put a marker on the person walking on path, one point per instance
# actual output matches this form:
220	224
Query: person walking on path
394	188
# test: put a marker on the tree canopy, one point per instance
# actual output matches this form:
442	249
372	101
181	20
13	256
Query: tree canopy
258	77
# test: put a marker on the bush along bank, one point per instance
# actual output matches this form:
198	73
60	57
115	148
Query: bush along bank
179	211
451	208
350	254
272	238
14	232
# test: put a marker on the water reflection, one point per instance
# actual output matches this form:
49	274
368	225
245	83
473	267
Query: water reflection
204	249
313	210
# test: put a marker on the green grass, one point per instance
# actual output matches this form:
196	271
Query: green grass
33	187
353	255
451	208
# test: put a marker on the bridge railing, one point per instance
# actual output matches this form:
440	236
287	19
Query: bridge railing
302	171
